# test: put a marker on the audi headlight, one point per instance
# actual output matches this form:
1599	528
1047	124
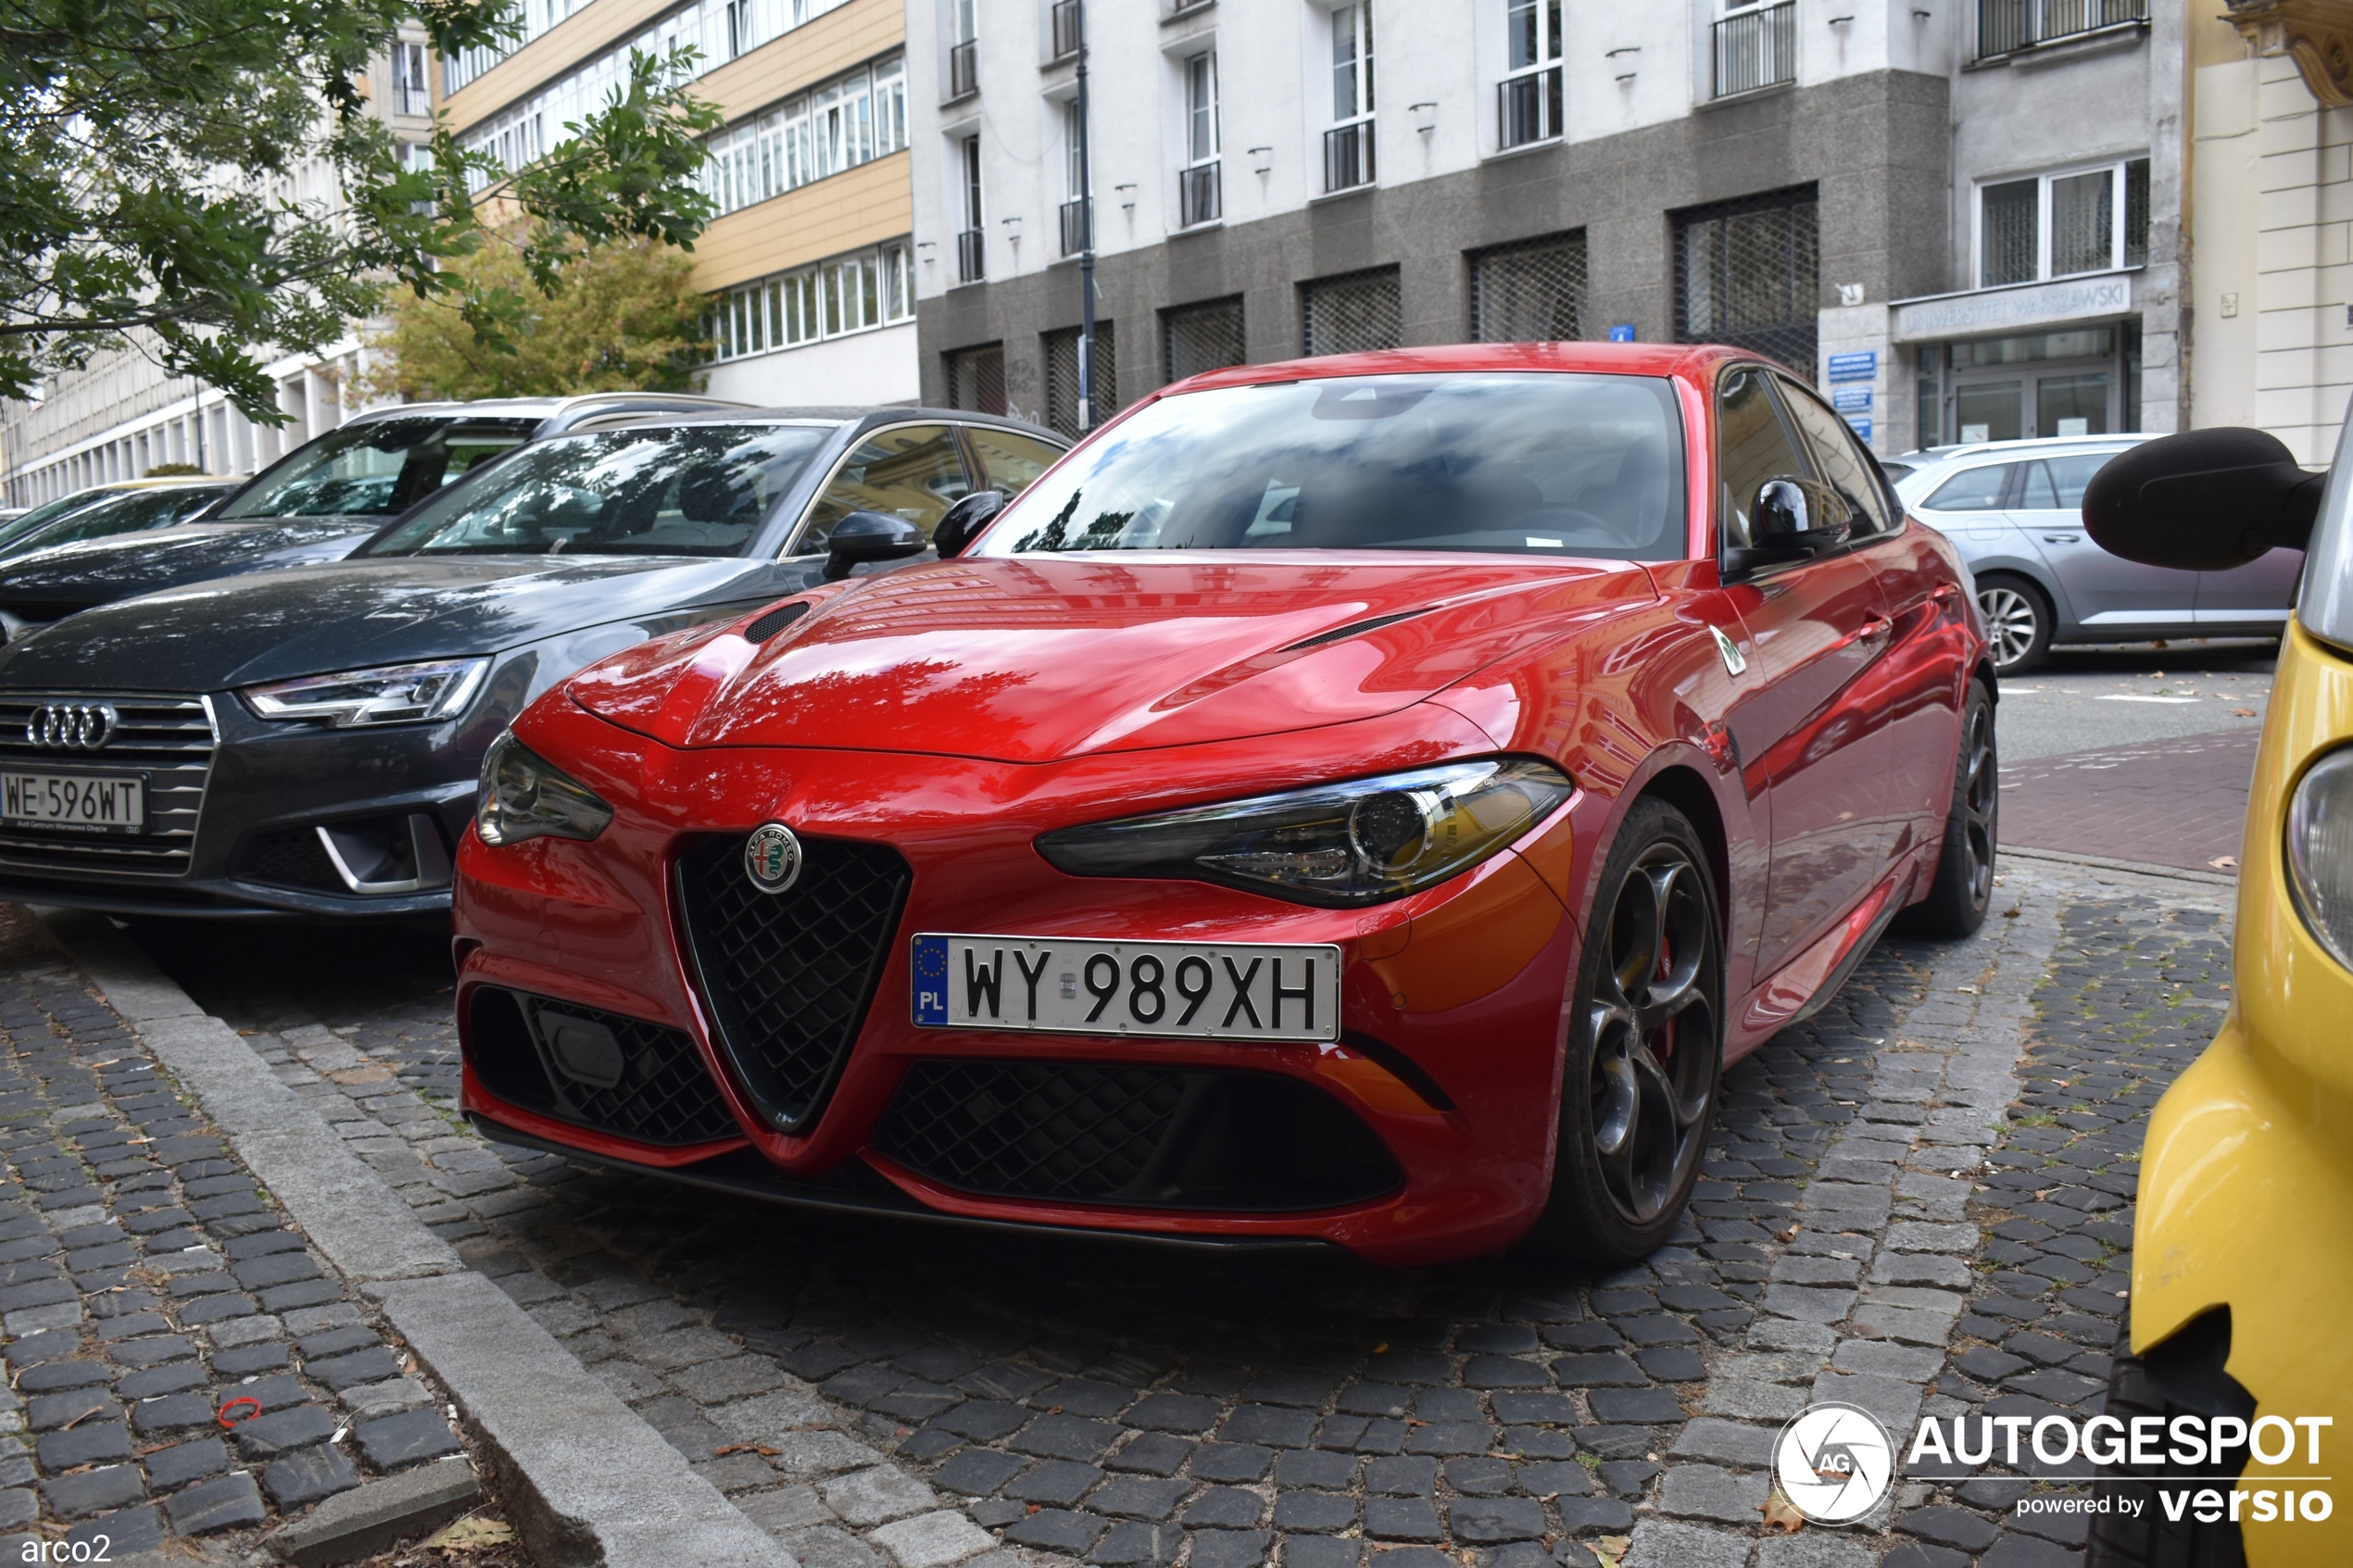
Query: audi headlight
524	796
1338	844
2320	852
398	694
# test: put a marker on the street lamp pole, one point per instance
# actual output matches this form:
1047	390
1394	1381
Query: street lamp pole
1086	236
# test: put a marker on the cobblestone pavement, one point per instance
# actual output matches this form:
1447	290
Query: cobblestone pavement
873	1391
179	1364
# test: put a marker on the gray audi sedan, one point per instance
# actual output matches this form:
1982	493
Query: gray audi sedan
306	742
2016	509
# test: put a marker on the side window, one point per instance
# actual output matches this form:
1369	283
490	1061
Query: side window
2070	475
1008	462
2036	491
1752	444
1842	459
1972	490
914	472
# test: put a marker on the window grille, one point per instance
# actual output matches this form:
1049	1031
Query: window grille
1202	337
1348	156
2006	26
1755	47
977	378
1353	314
1531	291
1748	273
2063	224
1062	378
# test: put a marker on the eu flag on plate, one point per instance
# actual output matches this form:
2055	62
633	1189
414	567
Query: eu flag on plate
931	981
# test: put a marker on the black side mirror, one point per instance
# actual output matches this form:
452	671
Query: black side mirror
866	537
964	521
1791	519
2205	500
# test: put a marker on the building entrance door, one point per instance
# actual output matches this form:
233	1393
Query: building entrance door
2080	382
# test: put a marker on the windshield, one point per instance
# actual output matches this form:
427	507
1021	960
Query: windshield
695	490
1516	463
129	512
377	467
49	511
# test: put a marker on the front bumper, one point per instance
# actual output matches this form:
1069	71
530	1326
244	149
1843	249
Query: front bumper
1453	1000
2246	1179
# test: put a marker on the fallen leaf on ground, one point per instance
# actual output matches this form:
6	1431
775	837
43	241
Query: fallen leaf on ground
2243	712
2225	863
1781	1515
472	1533
1612	1549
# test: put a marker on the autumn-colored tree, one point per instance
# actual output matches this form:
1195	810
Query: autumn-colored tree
622	316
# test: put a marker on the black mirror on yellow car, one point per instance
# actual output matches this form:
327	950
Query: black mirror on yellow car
2205	500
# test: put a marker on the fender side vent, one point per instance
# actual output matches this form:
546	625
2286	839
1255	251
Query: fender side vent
773	621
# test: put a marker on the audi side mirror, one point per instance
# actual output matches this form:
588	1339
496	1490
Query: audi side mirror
964	521
2205	500
864	536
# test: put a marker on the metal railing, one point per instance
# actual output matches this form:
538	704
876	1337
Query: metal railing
1348	156
1074	216
1757	49
969	267
2006	26
1199	195
963	70
409	98
1066	38
1527	107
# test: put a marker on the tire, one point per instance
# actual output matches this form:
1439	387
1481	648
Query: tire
1957	900
1646	1046
2148	1539
2018	622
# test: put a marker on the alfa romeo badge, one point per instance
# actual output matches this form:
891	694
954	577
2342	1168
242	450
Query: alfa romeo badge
771	857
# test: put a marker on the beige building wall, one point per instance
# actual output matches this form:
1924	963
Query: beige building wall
2271	205
854	210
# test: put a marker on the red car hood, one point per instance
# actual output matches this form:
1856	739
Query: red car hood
1044	657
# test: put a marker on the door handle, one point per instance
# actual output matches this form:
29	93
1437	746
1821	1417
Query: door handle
1874	629
2062	538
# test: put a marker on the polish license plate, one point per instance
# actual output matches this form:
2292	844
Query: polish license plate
1181	990
94	802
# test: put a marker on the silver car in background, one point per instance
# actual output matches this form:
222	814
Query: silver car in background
2016	509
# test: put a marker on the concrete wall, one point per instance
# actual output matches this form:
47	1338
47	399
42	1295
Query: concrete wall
873	366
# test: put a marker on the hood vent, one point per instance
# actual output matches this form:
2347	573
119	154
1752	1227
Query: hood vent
1357	628
773	621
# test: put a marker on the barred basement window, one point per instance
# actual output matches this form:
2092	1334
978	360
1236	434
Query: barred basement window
1353	314
977	378
1061	380
851	293
1748	273
1202	337
1529	290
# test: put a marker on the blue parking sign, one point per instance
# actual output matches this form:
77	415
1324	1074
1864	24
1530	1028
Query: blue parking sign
1622	333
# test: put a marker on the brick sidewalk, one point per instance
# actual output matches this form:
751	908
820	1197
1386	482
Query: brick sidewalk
2178	802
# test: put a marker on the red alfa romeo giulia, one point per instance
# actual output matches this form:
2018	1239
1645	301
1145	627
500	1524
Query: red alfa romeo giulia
1362	801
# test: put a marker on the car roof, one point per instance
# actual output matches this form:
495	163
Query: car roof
1686	360
548	408
859	415
2020	446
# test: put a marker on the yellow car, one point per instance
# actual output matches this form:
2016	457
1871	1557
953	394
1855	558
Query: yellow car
2243	1248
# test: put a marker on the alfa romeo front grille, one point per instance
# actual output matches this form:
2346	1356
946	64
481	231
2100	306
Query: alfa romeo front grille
169	738
788	976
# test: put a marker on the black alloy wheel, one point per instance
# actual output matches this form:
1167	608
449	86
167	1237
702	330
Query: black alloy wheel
1646	1046
1957	900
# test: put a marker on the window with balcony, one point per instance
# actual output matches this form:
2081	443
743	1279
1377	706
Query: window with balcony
1348	145
971	262
2062	225
963	50
1067	23
2004	27
1755	47
1527	101
1200	195
409	94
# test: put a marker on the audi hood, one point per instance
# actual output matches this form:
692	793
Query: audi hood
66	577
309	620
1037	658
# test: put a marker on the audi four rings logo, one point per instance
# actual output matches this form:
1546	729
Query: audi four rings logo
70	726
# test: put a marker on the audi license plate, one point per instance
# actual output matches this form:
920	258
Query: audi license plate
92	802
1188	990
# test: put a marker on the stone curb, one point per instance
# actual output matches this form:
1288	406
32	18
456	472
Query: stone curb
362	1523
593	1485
2101	863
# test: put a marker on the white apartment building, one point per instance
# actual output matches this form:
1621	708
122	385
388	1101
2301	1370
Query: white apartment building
1954	213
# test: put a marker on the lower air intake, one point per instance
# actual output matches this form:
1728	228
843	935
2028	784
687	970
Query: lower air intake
1147	1138
603	1071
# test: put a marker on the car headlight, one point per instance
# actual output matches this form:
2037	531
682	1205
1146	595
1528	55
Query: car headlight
398	694
1337	845
524	796
2320	852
